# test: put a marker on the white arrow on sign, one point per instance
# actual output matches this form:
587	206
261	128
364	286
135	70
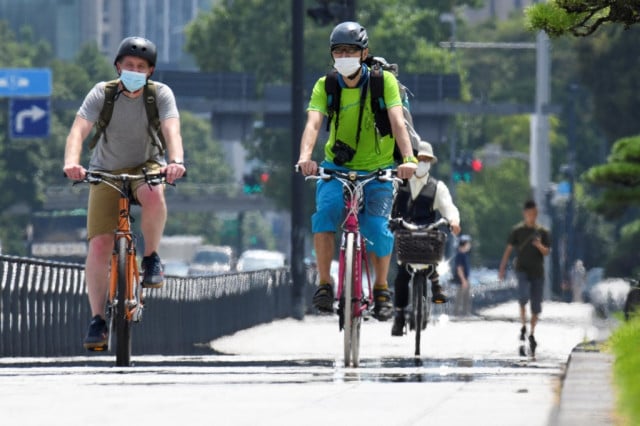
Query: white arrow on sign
35	113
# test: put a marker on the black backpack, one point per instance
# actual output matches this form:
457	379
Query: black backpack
149	94
376	84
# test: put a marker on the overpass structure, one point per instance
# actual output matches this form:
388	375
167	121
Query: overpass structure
184	197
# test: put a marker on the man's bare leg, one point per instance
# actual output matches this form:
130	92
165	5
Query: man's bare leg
324	243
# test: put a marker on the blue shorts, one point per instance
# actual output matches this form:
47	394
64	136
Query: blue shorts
530	288
374	218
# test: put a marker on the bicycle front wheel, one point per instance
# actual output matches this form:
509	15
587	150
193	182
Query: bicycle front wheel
419	307
122	323
351	321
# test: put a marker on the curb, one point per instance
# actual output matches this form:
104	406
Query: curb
587	395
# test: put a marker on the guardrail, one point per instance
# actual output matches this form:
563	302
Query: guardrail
44	309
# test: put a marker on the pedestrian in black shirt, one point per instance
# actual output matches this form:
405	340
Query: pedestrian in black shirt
532	243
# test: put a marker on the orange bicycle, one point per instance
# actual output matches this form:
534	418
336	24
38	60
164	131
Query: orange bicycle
125	301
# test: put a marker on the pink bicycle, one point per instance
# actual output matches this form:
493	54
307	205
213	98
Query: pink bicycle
353	255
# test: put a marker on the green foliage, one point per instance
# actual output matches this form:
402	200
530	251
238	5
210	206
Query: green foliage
605	61
619	177
257	232
624	344
550	17
243	36
581	17
208	172
203	155
22	51
487	220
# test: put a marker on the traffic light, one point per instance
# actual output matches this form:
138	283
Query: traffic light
476	165
464	166
254	182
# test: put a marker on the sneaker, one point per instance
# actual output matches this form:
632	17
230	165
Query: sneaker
397	329
323	298
153	272
532	345
382	307
96	339
437	294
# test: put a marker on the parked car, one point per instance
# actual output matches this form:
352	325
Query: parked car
253	260
609	295
212	260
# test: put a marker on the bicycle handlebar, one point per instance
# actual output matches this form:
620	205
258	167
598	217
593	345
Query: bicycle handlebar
398	222
96	176
384	175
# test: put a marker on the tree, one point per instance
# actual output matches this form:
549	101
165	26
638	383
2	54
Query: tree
581	18
244	34
620	197
604	63
487	220
620	178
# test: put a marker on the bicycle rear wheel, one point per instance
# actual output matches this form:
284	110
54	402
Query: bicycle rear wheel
351	322
419	308
122	323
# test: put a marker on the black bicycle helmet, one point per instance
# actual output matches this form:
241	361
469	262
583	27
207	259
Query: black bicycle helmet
349	33
137	46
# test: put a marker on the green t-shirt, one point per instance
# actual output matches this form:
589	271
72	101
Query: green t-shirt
529	258
373	151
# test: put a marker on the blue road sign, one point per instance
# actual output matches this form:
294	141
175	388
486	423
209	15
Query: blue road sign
29	117
563	188
25	82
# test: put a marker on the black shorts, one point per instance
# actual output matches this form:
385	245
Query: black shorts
530	289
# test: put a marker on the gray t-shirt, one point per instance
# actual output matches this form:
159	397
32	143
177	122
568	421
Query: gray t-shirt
128	141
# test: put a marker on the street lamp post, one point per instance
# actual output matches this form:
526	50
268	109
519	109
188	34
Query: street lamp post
297	183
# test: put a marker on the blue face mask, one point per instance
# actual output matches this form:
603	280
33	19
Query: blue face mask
133	80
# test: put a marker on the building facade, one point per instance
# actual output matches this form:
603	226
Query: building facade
70	24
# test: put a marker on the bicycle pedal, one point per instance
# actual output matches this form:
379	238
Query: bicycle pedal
97	348
366	315
137	314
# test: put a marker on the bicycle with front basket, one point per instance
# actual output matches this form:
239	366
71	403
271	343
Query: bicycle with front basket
354	303
125	299
419	248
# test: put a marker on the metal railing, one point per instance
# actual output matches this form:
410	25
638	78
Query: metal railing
44	309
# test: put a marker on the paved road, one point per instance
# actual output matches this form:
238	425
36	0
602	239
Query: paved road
290	373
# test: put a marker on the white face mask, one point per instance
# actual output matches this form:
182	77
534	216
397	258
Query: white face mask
423	168
347	66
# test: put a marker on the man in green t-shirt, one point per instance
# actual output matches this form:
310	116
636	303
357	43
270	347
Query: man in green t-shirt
532	243
354	144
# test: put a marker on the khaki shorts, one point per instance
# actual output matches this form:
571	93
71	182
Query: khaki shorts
102	212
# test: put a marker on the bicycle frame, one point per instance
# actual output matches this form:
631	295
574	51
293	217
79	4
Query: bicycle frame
353	193
134	303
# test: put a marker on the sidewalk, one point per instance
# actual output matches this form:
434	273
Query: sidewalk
588	395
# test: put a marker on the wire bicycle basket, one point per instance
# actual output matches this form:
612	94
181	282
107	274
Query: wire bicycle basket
422	246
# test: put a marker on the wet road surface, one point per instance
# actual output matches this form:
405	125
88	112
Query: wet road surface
290	372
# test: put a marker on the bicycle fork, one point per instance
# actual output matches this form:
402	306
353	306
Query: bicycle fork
134	302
